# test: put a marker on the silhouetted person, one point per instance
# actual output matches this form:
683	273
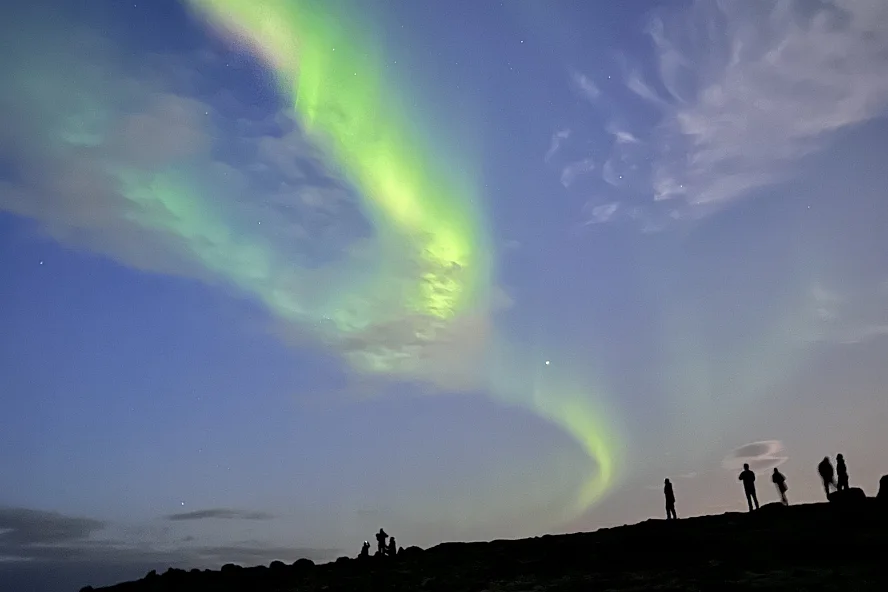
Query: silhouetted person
380	542
825	469
841	473
670	501
392	548
748	478
365	549
780	482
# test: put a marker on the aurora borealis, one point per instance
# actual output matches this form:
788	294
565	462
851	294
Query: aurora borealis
305	268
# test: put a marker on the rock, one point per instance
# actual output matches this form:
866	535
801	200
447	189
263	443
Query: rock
882	496
412	551
771	508
848	497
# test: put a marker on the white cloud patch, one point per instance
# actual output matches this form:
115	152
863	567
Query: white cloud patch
599	214
585	86
770	85
855	315
736	95
637	85
572	171
621	136
558	138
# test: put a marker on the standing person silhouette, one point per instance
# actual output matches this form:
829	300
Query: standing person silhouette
748	478
827	474
780	481
841	473
380	542
670	501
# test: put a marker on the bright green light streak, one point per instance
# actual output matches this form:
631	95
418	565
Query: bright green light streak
335	78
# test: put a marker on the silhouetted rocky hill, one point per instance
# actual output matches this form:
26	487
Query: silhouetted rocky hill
842	545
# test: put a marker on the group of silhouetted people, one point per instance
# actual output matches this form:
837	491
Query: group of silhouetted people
833	479
382	549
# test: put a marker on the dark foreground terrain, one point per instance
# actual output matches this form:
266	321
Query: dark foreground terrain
834	546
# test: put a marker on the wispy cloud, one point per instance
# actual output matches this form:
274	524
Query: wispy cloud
637	85
760	456
621	135
739	94
20	527
585	85
220	514
52	540
771	84
599	214
850	316
573	170
558	138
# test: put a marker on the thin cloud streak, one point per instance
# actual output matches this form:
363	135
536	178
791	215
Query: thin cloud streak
572	171
585	86
220	514
558	138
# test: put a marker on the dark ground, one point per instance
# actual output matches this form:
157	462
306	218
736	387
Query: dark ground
824	546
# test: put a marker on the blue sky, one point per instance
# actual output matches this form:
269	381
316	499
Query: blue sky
684	211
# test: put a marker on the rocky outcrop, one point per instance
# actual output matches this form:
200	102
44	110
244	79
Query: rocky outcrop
882	496
853	496
804	547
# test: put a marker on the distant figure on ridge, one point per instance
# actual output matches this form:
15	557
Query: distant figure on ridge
841	473
825	469
393	548
380	542
748	478
780	482
670	501
365	550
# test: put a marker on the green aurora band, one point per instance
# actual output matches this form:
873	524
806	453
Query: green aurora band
342	100
333	76
424	210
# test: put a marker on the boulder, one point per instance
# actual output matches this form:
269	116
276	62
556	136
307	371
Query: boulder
848	497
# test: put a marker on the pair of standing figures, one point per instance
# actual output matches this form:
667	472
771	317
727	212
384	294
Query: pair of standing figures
748	479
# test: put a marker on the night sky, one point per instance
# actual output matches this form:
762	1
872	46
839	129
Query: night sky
276	274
